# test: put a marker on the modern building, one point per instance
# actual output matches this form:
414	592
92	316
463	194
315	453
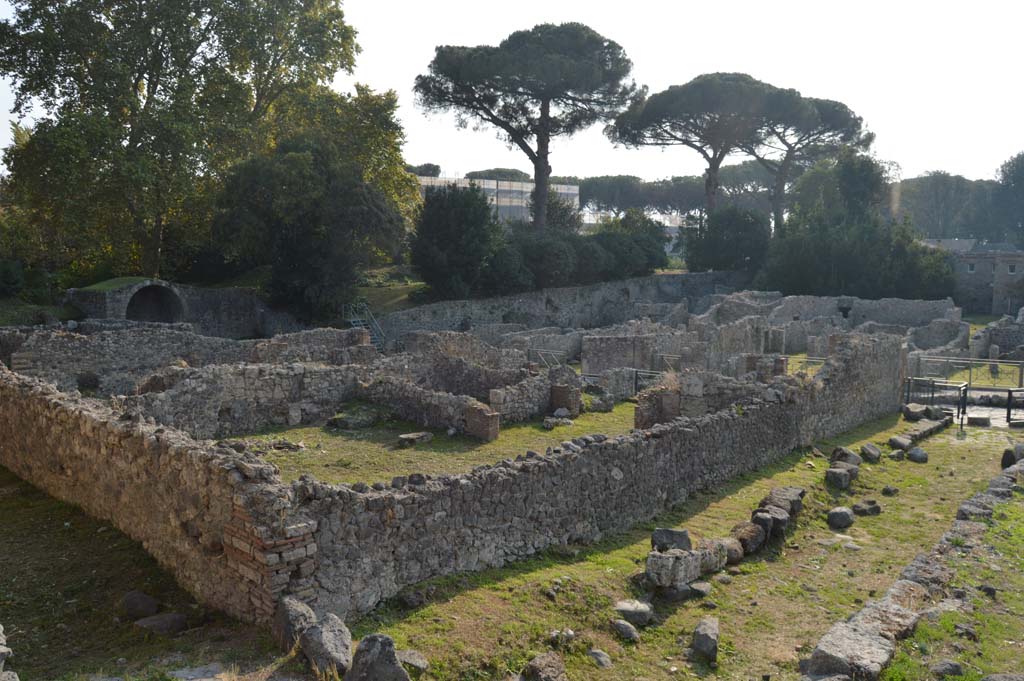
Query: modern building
510	199
989	276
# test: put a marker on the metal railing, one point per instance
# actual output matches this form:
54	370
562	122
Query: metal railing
931	392
550	358
993	374
359	315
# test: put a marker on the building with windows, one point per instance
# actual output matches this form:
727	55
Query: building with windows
510	199
989	276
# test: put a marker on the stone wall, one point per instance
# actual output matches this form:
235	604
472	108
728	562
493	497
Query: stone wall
225	312
374	543
576	307
428	408
532	397
227	400
859	310
112	362
217	520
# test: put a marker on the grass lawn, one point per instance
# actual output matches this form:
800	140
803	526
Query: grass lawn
487	625
799	362
999	623
980	321
62	575
372	454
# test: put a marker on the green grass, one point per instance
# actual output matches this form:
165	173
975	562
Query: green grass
62	575
114	284
486	625
799	362
998	623
17	312
372	454
980	321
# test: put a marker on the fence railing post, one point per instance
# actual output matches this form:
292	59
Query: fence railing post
1009	405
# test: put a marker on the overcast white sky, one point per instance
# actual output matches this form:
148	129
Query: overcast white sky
939	82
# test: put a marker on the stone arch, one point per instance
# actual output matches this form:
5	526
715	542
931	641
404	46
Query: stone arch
155	303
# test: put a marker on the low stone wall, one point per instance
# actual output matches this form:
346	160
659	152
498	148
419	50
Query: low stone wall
465	347
217	520
572	307
639	345
112	362
859	310
373	543
431	408
566	343
227	400
532	397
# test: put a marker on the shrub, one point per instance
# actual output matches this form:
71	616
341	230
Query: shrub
732	239
549	257
12	278
593	263
629	259
505	272
456	235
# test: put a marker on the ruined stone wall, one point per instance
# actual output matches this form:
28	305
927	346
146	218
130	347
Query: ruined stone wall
112	362
374	543
531	397
618	384
428	408
464	346
459	377
797	332
567	343
884	311
225	312
226	400
217	520
941	335
576	307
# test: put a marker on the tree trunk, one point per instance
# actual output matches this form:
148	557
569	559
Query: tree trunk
711	186
153	249
779	197
542	170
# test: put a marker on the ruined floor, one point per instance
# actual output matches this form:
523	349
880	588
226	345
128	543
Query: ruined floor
62	573
372	454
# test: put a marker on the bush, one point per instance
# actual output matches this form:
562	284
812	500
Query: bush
732	239
549	257
456	235
629	259
593	263
12	278
505	272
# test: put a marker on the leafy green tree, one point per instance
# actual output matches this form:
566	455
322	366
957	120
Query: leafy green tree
613	194
425	170
305	212
457	233
715	114
838	242
732	239
503	174
142	103
1011	196
562	216
796	131
506	271
536	85
944	206
549	256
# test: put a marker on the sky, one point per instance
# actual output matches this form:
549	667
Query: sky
938	82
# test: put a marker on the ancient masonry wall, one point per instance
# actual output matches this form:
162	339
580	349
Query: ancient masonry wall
577	307
373	543
113	362
206	513
531	397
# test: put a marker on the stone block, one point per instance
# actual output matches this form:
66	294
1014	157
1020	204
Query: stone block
847	649
483	424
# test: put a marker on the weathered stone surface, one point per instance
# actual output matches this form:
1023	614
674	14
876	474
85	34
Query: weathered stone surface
846	455
780	520
1003	677
328	646
840	517
136	605
705	640
914	412
733	550
626	631
870	453
414	659
852	470
546	667
750	536
600	658
413	439
291	618
838	478
763	519
845	649
900	442
887	618
867	507
944	668
917	455
1009	458
890	491
663	539
637	613
979	420
790	499
897	455
164	624
375	659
